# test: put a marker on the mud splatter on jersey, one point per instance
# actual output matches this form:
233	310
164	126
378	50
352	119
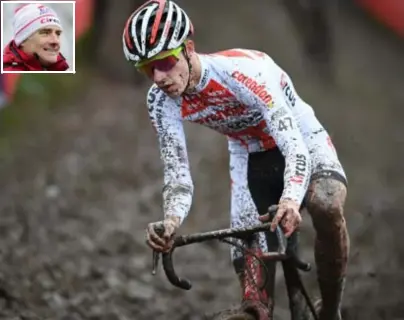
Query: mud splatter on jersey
247	97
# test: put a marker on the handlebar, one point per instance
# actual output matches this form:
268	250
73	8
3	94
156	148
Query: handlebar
239	233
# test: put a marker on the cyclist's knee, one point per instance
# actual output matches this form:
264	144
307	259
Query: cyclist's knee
325	201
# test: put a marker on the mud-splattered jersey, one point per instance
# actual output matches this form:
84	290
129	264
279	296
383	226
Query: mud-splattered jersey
247	97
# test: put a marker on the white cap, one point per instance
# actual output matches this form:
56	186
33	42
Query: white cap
29	18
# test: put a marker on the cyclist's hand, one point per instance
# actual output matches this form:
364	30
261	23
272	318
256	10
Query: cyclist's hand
164	242
288	213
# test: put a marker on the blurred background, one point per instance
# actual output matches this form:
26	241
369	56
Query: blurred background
81	176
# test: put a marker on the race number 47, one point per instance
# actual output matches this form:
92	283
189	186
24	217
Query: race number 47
285	124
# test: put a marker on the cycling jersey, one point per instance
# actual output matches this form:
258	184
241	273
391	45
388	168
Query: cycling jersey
247	97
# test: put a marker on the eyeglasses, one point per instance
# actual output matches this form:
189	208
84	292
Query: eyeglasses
163	62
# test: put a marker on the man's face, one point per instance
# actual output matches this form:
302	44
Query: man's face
45	43
169	71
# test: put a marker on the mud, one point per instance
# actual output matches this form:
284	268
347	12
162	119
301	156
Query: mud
78	189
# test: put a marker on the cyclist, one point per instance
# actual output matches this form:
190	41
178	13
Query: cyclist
36	41
279	151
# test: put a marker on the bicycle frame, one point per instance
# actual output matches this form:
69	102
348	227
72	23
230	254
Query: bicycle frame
286	252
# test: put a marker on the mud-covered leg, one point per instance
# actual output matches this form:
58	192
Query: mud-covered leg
250	272
325	201
244	213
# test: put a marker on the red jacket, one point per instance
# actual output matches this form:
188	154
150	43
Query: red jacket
14	59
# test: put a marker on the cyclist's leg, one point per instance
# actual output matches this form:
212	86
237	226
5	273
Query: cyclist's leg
325	200
265	177
265	182
244	213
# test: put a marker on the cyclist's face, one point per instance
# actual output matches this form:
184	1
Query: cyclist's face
170	73
45	43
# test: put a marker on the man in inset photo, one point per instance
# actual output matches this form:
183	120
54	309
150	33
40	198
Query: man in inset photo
36	43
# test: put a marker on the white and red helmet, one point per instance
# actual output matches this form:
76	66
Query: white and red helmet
156	26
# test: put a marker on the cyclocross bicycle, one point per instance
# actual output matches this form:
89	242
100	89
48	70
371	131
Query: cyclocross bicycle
300	309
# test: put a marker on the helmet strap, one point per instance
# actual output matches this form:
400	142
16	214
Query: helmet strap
189	66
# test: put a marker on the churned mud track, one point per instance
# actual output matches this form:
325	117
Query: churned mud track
77	194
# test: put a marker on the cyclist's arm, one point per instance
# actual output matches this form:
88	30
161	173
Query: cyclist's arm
283	127
178	186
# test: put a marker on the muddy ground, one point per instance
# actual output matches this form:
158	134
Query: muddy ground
78	189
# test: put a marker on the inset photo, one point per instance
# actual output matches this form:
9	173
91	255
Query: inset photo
38	37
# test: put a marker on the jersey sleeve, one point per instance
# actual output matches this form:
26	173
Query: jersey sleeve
256	85
284	129
178	186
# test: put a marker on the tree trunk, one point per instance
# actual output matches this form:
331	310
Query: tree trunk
110	19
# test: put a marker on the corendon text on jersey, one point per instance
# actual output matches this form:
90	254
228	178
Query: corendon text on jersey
252	85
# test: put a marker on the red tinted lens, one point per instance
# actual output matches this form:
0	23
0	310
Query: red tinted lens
165	64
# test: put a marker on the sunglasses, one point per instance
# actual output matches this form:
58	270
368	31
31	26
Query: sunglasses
162	62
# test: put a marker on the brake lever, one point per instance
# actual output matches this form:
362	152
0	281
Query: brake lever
282	241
